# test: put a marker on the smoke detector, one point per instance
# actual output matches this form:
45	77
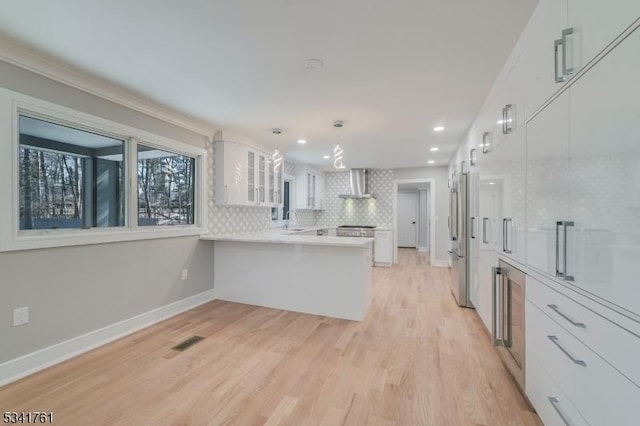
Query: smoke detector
313	64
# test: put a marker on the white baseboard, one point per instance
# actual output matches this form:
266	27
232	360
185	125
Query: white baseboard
423	249
441	263
25	365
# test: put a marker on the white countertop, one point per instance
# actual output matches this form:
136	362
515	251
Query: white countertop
281	236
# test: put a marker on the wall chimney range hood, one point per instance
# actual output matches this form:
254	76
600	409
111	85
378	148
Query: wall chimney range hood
358	185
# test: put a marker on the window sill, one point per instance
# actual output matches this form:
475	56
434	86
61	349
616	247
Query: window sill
67	238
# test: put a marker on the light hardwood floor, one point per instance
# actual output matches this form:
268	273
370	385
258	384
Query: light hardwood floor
417	359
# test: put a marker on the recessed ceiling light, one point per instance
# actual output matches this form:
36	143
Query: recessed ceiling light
326	157
431	161
434	149
302	141
438	128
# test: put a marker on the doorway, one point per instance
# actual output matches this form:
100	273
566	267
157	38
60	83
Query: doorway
414	201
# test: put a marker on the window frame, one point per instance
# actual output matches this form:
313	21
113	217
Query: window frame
13	104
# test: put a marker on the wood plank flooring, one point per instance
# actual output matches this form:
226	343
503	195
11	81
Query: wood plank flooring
417	359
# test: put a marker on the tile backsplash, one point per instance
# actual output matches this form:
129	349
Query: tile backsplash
238	219
374	211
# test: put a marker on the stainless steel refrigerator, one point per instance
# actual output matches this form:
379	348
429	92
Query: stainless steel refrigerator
459	237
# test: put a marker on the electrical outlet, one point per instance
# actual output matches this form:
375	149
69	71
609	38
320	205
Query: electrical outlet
185	274
20	316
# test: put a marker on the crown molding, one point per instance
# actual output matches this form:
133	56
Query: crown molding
66	74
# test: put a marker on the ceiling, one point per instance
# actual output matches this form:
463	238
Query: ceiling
392	69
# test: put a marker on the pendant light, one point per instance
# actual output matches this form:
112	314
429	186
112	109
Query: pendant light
338	161
276	157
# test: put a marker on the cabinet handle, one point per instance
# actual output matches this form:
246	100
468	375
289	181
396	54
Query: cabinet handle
556	47
484	230
508	127
556	406
497	311
505	234
257	199
226	194
473	228
504	121
567	317
566	32
567	277
556	341
558	273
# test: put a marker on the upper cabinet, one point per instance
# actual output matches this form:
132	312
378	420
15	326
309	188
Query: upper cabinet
241	175
593	24
309	189
565	35
275	183
542	52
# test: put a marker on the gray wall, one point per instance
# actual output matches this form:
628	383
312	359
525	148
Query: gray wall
439	174
75	290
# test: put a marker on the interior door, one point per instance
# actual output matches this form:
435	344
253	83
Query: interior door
407	218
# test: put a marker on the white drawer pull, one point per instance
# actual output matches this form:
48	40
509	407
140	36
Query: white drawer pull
556	406
555	341
567	317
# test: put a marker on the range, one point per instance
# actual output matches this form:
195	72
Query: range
355	231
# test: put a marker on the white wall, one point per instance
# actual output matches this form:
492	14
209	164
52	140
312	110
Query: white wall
439	174
423	218
75	290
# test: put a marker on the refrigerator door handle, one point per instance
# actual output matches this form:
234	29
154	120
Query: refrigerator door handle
567	277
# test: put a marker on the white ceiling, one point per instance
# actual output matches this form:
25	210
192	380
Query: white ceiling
393	69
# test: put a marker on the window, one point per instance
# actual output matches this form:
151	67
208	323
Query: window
69	178
166	184
72	179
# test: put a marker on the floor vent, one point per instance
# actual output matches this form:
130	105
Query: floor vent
187	343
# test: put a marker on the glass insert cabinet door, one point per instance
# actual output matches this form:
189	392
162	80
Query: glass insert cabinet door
251	177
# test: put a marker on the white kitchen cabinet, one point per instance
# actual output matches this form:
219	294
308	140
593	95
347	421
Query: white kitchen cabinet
547	187
230	173
583	182
540	55
604	178
578	369
257	176
241	174
503	167
383	247
275	185
309	189
594	24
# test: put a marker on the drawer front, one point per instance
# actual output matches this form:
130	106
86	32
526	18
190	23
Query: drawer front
601	394
618	346
551	404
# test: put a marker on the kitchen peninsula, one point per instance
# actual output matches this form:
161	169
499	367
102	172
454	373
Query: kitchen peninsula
321	275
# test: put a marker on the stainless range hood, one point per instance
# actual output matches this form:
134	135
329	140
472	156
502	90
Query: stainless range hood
358	184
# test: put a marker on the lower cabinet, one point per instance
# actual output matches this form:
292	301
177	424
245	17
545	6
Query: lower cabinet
383	248
573	374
